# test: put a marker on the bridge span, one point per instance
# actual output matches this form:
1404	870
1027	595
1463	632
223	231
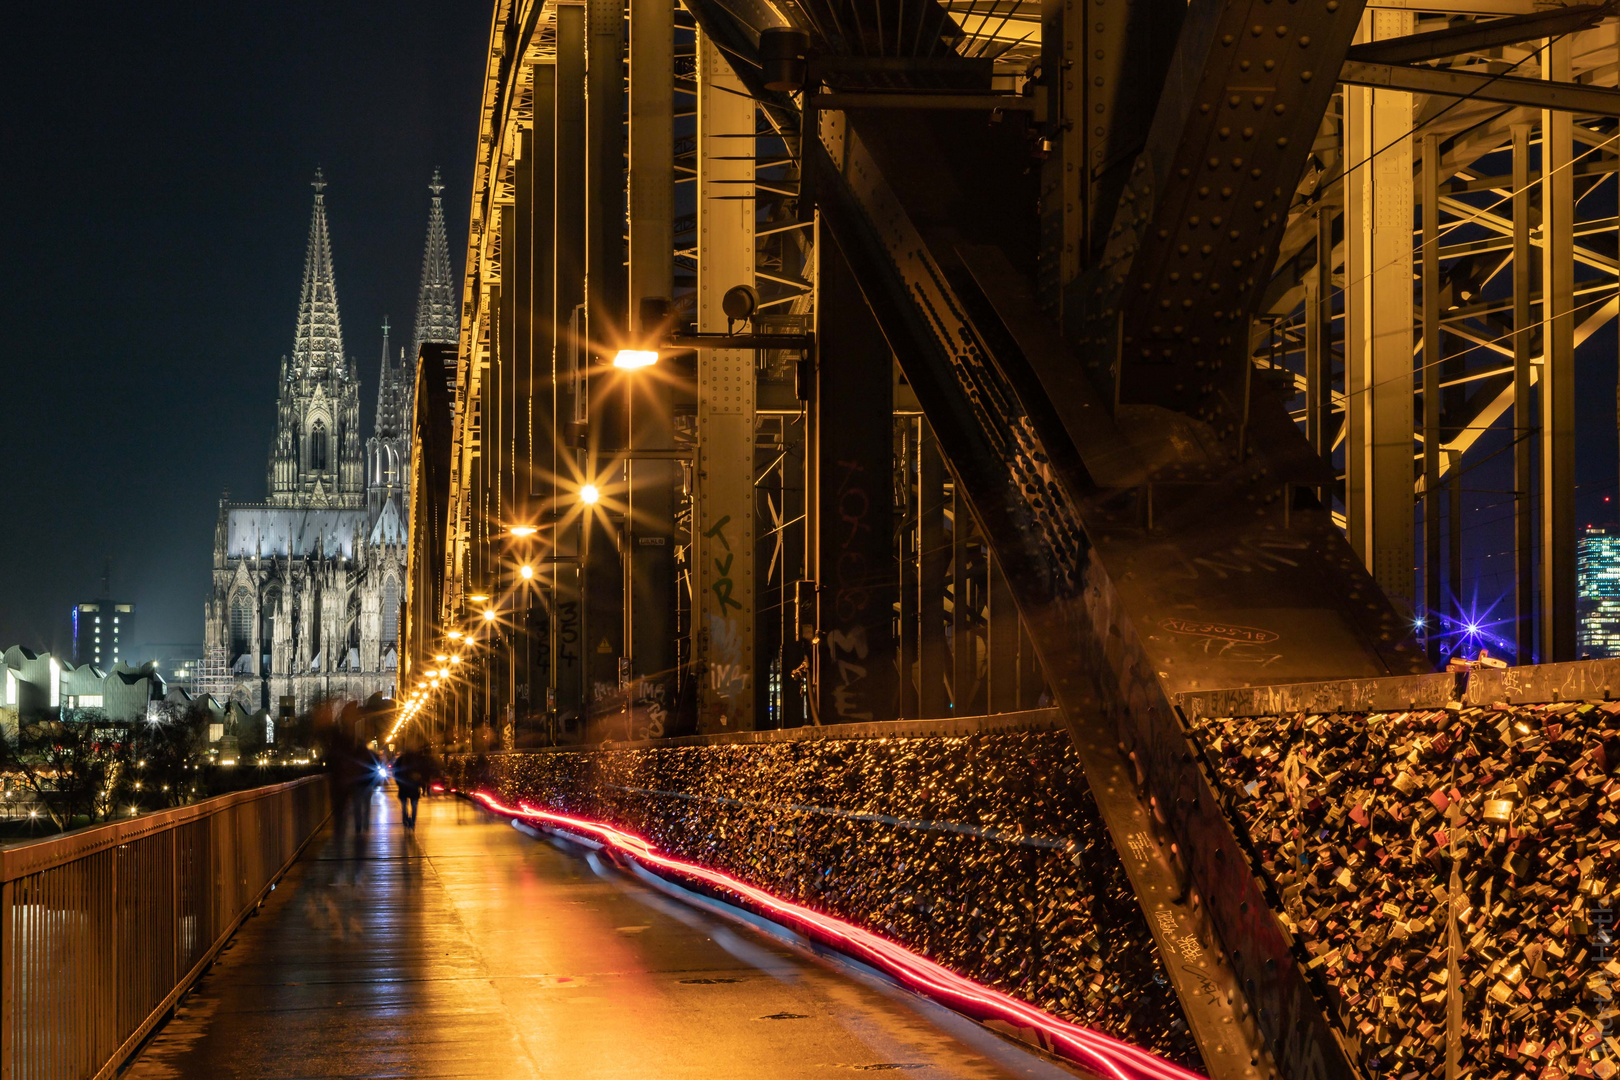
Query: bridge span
466	948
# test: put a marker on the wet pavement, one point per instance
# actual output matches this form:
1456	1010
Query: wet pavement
469	949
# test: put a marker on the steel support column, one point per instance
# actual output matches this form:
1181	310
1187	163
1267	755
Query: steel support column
568	609
910	444
604	326
723	513
649	612
854	500
1001	667
963	658
1524	417
1558	369
521	287
1378	317
1431	356
540	401
1319	344
933	559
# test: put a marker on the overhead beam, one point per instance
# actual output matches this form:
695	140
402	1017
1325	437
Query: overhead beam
1477	37
880	99
1556	96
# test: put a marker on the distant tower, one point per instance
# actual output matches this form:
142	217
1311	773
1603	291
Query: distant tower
317	457
389	448
1597	604
438	314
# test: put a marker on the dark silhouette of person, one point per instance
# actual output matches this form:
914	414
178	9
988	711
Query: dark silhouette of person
411	775
352	773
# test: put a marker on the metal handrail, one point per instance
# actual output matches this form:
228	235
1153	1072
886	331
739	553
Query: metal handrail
102	930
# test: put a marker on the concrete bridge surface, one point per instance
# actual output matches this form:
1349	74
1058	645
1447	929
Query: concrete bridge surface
469	949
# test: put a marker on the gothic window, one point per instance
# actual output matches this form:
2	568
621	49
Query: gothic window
390	612
351	654
267	628
241	624
317	447
315	626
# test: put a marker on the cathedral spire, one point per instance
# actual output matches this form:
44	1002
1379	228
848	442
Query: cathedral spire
438	317
318	339
391	394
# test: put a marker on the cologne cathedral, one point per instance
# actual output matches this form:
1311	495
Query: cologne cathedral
308	583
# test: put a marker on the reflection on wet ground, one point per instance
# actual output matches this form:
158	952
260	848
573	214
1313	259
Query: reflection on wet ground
468	949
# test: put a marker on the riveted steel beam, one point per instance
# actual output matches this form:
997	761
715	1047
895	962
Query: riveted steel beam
1557	95
723	583
1195	237
1477	37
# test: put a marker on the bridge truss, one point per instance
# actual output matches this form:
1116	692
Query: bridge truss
1129	348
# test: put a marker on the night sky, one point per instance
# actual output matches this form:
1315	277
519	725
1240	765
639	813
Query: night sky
156	205
155	180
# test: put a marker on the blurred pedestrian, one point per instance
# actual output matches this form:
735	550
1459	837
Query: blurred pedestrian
410	777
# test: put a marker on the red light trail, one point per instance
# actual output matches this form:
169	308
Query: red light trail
1084	1046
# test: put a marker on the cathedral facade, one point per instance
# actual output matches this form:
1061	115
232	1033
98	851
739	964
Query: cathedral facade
308	584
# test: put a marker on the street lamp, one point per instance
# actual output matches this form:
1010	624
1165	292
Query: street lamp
522	530
489	614
629	359
526	571
590	494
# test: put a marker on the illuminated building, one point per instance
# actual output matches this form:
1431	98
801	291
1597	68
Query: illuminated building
1597	570
102	632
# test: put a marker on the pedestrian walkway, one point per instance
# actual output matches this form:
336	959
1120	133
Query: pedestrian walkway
469	949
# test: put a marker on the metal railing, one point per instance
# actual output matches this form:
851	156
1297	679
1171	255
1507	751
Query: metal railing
102	930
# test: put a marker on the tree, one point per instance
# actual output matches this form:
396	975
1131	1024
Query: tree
167	747
74	767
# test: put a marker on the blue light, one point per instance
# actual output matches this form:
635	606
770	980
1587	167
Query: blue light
1472	627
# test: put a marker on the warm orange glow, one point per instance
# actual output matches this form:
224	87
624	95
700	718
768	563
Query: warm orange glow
489	615
477	598
523	530
590	494
1102	1054
629	359
441	657
527	571
455	635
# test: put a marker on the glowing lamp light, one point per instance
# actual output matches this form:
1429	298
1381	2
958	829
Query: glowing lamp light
477	598
489	614
526	571
523	530
455	659
441	657
590	494
455	635
629	359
